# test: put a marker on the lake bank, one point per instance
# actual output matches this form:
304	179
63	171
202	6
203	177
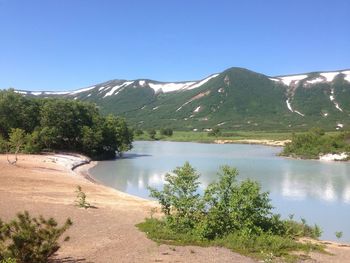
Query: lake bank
45	185
305	188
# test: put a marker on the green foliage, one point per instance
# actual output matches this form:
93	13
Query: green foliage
262	246
232	206
339	234
179	198
3	145
59	124
81	198
8	260
138	132
214	132
30	239
314	143
230	213
152	133
166	131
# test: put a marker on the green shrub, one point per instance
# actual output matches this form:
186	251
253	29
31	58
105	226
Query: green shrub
81	198
30	239
179	198
166	131
214	132
152	133
237	215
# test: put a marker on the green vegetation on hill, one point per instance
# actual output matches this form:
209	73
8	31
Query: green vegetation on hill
32	125
233	214
314	143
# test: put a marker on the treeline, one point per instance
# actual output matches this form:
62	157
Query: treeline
32	125
316	142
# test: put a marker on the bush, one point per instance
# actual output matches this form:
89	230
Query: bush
152	133
214	132
166	131
30	239
138	132
237	215
179	198
314	143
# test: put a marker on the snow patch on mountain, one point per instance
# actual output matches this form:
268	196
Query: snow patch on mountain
117	87
202	82
331	97
169	87
347	75
20	92
56	92
36	93
292	79
197	109
289	106
291	109
81	90
329	75
298	112
316	80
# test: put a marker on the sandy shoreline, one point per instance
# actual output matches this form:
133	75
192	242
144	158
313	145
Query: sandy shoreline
275	143
45	184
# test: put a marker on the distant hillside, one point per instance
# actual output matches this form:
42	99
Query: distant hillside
236	99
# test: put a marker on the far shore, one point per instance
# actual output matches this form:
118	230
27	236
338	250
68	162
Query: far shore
45	185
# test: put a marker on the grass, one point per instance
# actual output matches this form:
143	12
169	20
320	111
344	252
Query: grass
191	136
262	247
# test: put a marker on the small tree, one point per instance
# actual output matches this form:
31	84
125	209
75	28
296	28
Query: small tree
339	234
214	132
17	140
152	133
233	206
166	131
81	198
138	132
28	239
179	198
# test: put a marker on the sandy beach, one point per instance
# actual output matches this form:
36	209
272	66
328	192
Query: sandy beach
45	185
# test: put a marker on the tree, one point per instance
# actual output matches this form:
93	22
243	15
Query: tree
16	142
232	205
138	132
30	239
166	131
152	133
179	198
214	132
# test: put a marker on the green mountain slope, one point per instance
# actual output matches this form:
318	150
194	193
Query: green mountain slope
236	99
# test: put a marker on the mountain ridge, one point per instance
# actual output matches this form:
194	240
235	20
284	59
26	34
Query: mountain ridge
236	98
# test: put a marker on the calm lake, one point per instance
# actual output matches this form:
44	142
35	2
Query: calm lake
314	190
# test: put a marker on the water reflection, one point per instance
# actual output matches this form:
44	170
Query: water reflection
306	188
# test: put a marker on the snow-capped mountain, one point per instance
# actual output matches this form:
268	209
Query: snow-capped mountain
234	99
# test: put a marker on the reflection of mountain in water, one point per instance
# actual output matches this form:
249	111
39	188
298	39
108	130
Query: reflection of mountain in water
331	188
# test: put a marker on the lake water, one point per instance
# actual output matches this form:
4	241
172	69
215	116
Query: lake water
314	190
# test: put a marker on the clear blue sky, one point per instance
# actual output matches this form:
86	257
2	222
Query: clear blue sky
69	44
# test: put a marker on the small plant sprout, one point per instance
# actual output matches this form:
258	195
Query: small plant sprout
81	198
339	234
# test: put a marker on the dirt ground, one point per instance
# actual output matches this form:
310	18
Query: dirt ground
41	185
